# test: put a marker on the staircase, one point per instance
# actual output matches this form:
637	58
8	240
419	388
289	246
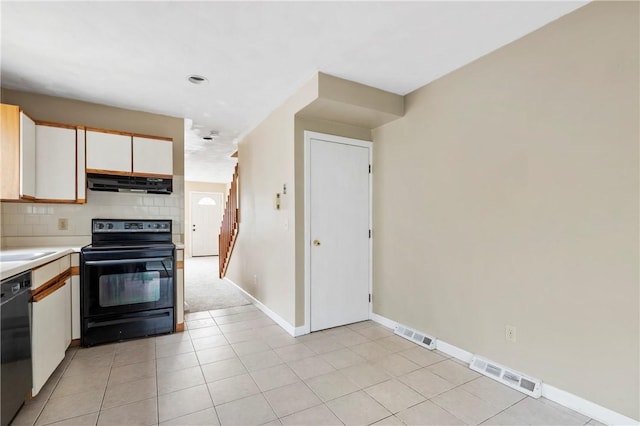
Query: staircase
229	228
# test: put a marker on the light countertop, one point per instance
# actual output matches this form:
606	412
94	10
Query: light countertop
9	269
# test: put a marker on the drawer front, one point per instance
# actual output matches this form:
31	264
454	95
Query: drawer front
49	271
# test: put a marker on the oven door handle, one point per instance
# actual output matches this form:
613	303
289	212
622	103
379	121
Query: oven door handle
123	261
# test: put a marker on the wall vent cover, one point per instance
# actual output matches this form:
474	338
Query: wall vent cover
507	376
417	337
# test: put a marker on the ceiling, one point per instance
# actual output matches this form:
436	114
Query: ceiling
138	55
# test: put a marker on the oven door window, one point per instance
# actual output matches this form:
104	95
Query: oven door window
120	286
128	288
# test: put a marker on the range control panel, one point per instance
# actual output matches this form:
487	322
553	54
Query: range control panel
100	226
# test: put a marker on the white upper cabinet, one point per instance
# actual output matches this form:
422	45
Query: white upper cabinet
81	175
152	156
56	165
27	156
108	153
118	153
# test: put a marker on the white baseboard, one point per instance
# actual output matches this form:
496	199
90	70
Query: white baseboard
300	331
453	351
586	407
293	331
564	398
383	321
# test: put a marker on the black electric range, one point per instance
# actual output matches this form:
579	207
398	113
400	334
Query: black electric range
127	280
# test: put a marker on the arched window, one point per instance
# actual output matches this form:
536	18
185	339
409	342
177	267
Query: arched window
207	201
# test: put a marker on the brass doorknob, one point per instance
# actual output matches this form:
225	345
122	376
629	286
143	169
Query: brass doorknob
316	242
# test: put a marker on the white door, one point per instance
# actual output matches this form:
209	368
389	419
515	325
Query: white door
339	223
206	216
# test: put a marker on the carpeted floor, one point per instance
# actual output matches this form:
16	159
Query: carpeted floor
203	289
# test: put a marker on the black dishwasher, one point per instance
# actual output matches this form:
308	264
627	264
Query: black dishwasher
15	341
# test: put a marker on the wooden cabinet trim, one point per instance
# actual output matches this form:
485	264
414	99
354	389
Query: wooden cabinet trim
180	264
51	286
54	201
52	124
113	132
10	139
108	172
159	138
151	175
28	115
75	270
131	134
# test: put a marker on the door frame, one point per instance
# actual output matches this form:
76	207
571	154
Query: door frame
190	227
308	135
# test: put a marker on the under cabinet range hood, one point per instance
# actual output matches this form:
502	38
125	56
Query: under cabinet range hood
113	183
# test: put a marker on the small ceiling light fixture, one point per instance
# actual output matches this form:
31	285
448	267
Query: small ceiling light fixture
197	79
211	136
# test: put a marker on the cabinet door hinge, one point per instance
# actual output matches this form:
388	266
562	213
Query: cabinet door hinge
369	297
369	233
369	168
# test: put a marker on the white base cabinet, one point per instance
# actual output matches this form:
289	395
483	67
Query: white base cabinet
50	318
50	334
75	296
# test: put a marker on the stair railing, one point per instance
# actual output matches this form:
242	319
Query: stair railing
229	228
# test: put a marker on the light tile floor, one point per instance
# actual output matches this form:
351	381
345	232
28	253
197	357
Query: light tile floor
237	367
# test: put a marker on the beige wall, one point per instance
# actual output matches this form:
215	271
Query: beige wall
515	181
264	248
190	187
273	155
31	223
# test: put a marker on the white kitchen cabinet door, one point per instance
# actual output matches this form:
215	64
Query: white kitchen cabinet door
55	163
27	156
67	320
75	307
152	156
50	326
108	153
81	174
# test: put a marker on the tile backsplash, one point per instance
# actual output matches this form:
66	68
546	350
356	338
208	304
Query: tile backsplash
35	221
